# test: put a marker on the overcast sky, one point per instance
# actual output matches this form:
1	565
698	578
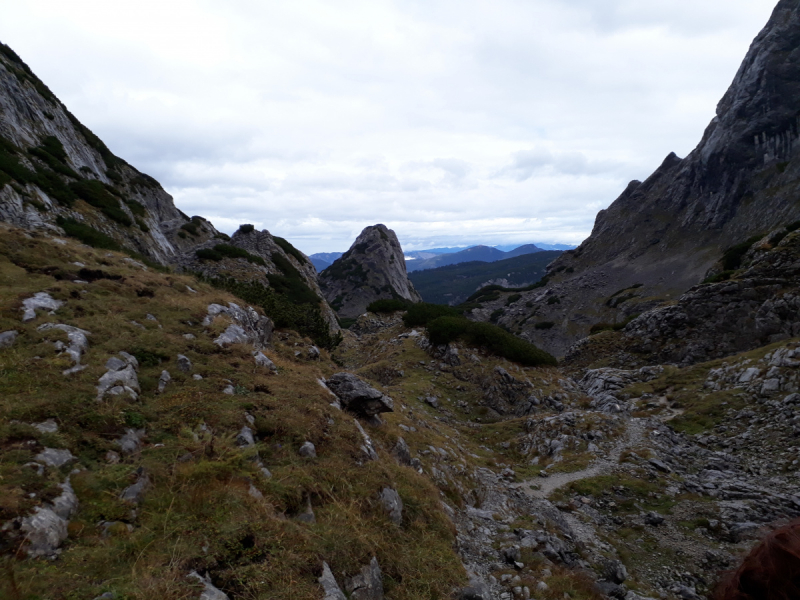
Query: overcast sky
451	121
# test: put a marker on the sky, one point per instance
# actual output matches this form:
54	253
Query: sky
453	122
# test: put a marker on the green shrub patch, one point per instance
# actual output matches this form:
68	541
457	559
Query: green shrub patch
443	330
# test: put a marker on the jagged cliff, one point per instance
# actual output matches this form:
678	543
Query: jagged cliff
57	176
662	235
372	269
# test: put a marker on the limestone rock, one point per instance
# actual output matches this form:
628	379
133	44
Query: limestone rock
248	326
393	505
402	452
368	584
373	268
184	364
55	458
359	397
329	585
163	380
7	338
135	493
131	441
262	360
209	591
39	301
245	438
307	450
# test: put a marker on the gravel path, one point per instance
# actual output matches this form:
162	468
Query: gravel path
604	464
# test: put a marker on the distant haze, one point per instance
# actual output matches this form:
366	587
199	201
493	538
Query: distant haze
452	123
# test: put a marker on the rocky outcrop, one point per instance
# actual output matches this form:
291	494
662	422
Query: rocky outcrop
664	233
759	305
54	168
259	256
359	397
372	269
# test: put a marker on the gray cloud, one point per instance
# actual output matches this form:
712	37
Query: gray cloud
447	120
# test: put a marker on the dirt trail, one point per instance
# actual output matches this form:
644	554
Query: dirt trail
634	433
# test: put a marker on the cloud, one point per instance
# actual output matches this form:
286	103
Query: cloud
448	120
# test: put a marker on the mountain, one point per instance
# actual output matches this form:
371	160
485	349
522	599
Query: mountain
323	260
662	235
372	269
56	176
453	284
479	253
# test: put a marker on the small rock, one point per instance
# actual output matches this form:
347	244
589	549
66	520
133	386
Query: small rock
392	504
245	438
55	458
189	336
39	301
209	591
614	571
197	377
262	360
7	338
329	585
131	441
184	364
660	465
313	353
115	364
163	380
135	493
112	457
359	397
401	452
48	426
307	450
368	584
307	516
653	518
229	389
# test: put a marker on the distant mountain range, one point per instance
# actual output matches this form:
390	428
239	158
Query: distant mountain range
322	260
453	284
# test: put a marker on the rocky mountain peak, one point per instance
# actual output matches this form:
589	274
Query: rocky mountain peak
373	268
662	235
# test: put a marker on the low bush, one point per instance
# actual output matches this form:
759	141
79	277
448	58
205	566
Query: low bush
388	305
246	228
304	317
496	314
544	325
220	251
513	298
289	249
732	258
95	193
723	276
88	235
420	314
446	329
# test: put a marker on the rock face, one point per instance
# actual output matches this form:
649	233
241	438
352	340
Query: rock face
55	168
758	305
372	269
665	233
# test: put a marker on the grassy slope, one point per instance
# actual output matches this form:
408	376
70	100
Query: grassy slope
455	283
198	514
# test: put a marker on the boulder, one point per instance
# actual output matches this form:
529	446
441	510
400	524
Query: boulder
401	452
614	571
135	493
131	441
248	326
163	380
245	438
359	397
262	360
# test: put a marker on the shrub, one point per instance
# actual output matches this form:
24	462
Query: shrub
544	325
513	298
422	313
246	228
732	258
598	327
88	235
793	226
496	314
723	276
206	253
388	306
191	227
446	329
149	358
305	318
289	249
291	283
554	300
136	208
96	194
221	251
